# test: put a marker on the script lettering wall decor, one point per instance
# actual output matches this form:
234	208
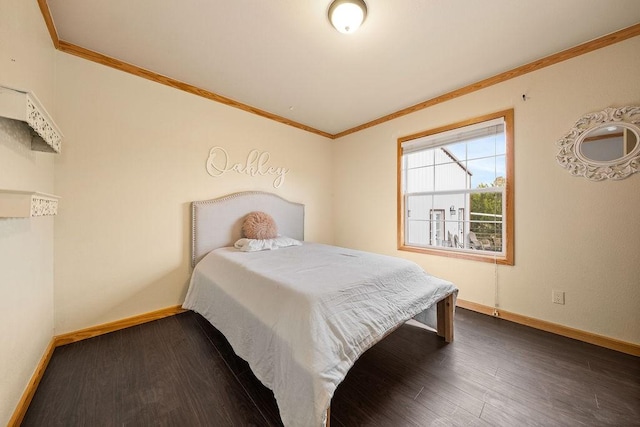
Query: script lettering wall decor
256	164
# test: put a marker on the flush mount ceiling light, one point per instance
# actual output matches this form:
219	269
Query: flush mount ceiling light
347	15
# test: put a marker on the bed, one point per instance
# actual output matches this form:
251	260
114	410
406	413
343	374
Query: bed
301	315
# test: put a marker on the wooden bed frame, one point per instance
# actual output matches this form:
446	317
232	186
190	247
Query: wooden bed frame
217	223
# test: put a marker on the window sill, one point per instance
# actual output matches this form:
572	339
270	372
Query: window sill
502	259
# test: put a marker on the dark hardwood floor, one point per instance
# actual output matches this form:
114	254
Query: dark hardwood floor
180	371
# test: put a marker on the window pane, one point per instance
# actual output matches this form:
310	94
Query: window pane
486	204
501	168
486	221
481	147
453	231
418	233
442	155
419	180
462	228
446	205
436	227
501	145
419	207
483	172
451	176
458	150
420	158
418	220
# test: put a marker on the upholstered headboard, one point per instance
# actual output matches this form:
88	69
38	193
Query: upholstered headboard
217	222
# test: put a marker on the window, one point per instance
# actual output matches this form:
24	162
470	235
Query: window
455	190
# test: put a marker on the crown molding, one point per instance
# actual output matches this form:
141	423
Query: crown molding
90	55
564	55
555	58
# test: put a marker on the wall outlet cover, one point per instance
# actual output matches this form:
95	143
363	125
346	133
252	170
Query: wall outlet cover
557	297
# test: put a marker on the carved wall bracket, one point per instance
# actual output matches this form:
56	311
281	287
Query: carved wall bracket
25	107
24	204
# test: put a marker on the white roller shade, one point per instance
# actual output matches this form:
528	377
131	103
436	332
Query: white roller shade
475	131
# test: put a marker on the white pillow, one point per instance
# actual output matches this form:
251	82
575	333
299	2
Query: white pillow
254	245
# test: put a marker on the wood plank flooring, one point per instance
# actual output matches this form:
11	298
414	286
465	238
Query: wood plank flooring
180	371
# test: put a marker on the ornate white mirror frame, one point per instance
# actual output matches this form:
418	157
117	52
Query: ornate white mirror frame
625	122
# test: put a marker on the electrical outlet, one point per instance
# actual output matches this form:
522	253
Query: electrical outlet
557	297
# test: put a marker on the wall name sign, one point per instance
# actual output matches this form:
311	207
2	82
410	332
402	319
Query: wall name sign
256	164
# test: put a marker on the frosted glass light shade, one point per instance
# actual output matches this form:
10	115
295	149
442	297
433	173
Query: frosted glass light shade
347	15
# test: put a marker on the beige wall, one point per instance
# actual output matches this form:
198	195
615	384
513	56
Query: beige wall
134	159
26	245
572	234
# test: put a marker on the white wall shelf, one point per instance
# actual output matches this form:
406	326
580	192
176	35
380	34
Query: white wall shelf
25	204
25	107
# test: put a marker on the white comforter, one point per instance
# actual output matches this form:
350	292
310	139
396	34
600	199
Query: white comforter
301	316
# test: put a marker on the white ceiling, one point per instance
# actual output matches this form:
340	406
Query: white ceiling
284	57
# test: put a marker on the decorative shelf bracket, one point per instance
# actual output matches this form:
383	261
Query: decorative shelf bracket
25	107
24	204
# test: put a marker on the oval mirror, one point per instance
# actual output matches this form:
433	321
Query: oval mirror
603	145
608	143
